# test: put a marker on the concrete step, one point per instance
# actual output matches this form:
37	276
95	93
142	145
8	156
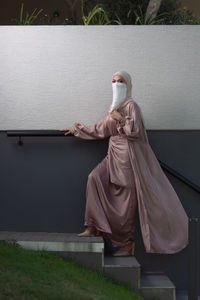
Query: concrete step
125	269
89	251
183	295
157	287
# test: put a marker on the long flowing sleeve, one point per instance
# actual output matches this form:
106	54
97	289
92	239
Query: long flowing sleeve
132	123
98	131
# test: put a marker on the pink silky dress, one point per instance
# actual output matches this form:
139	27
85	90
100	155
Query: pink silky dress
111	200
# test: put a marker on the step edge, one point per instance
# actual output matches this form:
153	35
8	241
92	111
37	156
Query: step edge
157	287
122	266
63	246
133	264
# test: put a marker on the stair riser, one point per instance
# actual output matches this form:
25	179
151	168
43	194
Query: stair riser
128	275
162	293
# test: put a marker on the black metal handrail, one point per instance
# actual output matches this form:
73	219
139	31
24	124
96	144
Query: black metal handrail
35	132
179	176
40	132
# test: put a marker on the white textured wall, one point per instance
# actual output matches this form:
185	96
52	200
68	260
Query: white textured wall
53	76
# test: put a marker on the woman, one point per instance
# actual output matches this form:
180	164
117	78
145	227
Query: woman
128	177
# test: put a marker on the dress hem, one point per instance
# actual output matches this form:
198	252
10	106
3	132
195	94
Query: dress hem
171	252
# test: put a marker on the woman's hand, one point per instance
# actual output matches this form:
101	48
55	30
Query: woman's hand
68	130
116	115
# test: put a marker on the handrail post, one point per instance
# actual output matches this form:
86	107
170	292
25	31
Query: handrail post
193	274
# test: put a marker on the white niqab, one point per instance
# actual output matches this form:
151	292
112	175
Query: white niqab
119	94
121	90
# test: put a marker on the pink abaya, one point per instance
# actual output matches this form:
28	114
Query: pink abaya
131	176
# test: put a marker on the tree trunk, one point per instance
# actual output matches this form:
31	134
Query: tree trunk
153	5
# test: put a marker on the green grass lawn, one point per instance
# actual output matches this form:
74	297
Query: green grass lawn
29	274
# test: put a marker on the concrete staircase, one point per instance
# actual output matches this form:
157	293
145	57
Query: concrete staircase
89	251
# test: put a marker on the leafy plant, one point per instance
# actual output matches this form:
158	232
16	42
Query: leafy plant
187	18
29	19
119	11
96	16
119	21
140	18
133	12
177	15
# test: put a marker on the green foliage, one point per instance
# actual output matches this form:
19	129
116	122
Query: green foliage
97	16
175	14
126	13
140	18
124	10
171	7
121	12
29	19
133	12
186	18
